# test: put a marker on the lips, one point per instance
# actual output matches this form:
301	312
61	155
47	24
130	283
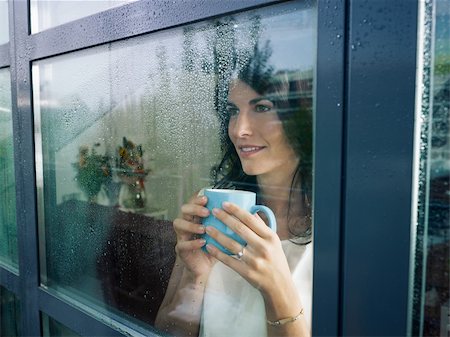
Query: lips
248	150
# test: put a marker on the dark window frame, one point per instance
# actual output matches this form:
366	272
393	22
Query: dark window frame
351	112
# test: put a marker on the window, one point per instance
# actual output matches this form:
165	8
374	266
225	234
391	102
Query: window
430	278
47	14
54	328
84	87
9	313
8	229
4	25
129	131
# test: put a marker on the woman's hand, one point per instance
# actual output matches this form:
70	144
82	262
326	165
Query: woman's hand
188	228
263	262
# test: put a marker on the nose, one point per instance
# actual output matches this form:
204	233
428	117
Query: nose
241	126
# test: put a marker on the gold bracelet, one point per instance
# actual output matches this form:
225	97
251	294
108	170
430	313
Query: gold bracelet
286	320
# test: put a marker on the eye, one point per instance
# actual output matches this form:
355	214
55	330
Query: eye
232	110
264	106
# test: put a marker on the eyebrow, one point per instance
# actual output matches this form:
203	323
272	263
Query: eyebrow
256	100
253	101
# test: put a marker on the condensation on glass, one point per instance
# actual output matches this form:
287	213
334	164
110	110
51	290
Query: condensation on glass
46	14
4	22
127	132
429	306
51	327
8	228
9	314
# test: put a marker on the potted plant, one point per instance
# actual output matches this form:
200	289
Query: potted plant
92	171
131	172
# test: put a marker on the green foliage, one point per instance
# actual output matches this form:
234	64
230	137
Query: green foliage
442	65
93	170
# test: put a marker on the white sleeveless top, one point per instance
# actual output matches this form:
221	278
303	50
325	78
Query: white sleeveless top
233	307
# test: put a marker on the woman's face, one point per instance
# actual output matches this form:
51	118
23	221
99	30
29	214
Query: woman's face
257	133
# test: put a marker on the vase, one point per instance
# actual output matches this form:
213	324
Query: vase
132	196
92	199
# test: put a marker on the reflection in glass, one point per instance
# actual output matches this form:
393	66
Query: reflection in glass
46	14
8	229
430	311
51	327
4	22
9	314
127	132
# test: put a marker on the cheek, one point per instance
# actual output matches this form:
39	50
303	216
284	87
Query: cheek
231	130
274	127
274	130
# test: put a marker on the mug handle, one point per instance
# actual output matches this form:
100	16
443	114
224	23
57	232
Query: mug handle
268	212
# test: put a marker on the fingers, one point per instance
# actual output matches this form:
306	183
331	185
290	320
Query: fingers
190	245
233	246
250	220
230	261
244	224
185	229
188	225
195	208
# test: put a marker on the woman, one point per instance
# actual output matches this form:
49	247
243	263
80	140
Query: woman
266	290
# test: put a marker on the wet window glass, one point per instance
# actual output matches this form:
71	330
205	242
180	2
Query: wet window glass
129	136
46	14
430	283
8	228
4	22
51	327
9	314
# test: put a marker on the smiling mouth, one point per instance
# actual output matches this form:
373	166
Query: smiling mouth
248	150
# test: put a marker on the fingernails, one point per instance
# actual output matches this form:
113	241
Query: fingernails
226	204
202	241
210	248
215	211
201	229
208	229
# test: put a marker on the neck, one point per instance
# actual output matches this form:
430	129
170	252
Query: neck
275	188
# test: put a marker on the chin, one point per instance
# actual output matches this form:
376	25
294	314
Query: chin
251	171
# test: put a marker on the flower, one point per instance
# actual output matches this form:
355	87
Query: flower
129	162
130	170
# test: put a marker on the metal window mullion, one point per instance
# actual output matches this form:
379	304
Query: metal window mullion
24	169
72	317
130	20
328	158
379	158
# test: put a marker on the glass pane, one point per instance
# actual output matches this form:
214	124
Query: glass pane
53	328
430	307
9	314
4	22
8	229
46	14
128	132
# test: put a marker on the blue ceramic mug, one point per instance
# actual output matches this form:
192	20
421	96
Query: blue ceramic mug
244	199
